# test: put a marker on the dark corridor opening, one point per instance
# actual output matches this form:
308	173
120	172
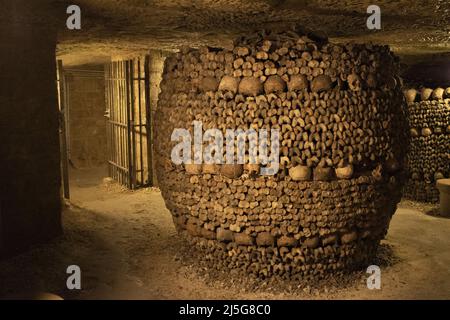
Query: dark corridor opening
105	123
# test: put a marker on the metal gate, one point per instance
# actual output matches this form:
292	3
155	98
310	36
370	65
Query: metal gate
129	129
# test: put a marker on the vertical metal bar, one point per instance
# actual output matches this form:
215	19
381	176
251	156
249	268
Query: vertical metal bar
107	116
140	125
119	119
149	121
108	66
62	123
132	125
111	117
66	98
116	69
113	136
123	119
114	104
129	81
114	116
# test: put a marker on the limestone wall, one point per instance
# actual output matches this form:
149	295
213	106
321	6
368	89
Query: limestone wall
85	91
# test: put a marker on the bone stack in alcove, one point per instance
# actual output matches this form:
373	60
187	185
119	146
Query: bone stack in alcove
429	155
340	112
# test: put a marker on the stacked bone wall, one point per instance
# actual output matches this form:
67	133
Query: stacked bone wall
429	154
340	112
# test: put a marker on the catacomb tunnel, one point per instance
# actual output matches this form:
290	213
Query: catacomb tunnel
222	149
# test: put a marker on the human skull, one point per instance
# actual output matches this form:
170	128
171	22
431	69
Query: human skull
250	86
354	82
274	84
298	82
229	83
321	83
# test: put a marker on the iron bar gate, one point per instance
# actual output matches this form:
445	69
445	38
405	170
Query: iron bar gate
129	122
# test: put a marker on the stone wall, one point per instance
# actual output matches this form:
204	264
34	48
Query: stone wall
30	201
156	68
85	91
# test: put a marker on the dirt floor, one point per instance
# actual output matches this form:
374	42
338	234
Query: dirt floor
127	248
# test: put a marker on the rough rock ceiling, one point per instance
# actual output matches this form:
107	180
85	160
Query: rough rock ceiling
413	28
